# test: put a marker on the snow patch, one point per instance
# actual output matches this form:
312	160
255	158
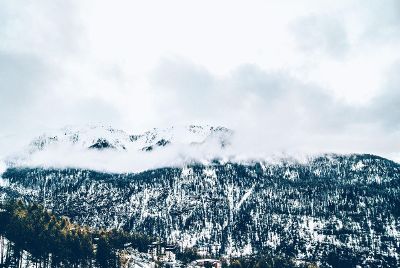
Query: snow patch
3	183
3	168
358	166
245	196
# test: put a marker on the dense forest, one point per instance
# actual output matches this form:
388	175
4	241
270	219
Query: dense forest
30	236
37	236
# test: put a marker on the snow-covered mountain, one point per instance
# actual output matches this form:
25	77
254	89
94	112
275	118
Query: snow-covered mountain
335	210
105	148
104	137
331	209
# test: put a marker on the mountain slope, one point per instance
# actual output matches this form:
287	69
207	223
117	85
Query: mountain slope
329	208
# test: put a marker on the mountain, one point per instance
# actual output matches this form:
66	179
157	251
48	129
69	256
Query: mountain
105	148
102	137
335	210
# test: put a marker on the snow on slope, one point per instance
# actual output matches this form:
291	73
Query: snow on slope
92	136
107	149
104	148
80	137
2	167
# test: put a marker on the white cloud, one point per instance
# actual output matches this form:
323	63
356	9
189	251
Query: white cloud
299	74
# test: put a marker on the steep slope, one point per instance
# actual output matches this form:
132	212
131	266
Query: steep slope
329	209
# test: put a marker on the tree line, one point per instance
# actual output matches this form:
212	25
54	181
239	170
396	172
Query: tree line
54	241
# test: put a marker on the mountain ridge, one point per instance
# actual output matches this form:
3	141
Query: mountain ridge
318	208
90	143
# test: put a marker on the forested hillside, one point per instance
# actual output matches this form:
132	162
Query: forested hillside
30	235
331	209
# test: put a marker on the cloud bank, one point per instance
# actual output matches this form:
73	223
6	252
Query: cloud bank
287	77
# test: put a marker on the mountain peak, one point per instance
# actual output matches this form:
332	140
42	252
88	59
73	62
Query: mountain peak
100	136
89	142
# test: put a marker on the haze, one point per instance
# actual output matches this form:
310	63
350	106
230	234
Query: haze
287	76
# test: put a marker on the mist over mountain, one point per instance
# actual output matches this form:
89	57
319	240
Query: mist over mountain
104	148
189	186
231	134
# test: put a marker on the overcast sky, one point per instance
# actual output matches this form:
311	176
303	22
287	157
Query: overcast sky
303	75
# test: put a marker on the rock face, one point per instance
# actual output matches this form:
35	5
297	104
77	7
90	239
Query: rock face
332	209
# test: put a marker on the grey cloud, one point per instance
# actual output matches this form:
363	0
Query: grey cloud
385	107
382	20
45	28
68	112
18	74
300	101
321	34
283	111
35	88
249	91
181	74
36	39
250	78
22	81
96	110
193	85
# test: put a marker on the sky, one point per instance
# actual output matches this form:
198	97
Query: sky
286	75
